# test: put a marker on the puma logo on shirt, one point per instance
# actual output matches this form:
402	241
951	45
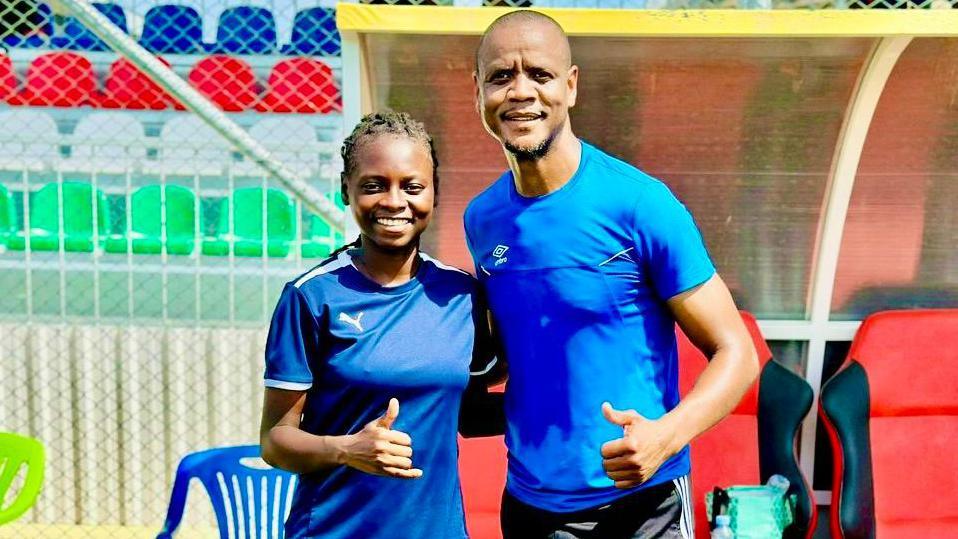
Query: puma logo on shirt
343	317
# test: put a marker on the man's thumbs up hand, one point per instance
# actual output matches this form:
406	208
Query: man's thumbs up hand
379	450
636	456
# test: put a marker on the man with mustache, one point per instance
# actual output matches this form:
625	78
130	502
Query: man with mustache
588	263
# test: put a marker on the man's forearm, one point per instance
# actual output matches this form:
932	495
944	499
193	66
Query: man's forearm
717	392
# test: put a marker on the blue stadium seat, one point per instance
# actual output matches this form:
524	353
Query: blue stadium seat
36	30
246	30
314	33
172	29
77	37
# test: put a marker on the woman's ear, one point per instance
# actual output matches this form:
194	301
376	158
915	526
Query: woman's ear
343	193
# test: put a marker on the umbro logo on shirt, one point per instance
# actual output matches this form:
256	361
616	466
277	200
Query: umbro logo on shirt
499	254
343	317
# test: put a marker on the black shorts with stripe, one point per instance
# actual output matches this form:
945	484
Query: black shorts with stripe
660	511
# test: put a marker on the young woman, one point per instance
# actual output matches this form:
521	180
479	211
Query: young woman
369	355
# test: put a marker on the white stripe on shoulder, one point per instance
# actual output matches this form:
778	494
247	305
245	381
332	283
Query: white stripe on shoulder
440	265
486	369
341	261
290	386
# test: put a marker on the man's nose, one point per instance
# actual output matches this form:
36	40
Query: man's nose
521	89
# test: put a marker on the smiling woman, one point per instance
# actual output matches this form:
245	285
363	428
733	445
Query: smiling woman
378	325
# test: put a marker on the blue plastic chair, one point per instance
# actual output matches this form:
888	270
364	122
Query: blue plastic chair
246	30
38	23
77	37
314	33
172	29
234	485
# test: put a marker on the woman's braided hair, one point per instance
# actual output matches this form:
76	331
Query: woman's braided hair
388	122
384	123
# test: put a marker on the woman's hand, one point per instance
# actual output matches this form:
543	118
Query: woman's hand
379	450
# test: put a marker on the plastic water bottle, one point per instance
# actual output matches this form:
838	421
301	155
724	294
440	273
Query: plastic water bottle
779	483
723	528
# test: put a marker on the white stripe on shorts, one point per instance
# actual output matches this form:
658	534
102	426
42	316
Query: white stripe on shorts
687	520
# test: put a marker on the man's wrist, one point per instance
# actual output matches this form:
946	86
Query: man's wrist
679	437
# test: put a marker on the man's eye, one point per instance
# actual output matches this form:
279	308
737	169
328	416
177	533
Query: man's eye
499	76
542	77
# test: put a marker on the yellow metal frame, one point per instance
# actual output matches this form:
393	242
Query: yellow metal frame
442	20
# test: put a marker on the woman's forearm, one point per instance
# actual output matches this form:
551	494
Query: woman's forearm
298	451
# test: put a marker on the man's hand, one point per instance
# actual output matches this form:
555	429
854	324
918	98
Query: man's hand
378	450
635	457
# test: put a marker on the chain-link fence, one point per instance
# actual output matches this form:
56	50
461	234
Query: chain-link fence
140	255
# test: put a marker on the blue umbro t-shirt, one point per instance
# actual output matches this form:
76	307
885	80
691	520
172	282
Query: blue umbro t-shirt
352	345
577	281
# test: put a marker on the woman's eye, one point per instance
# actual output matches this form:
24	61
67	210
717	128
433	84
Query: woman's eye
371	188
414	188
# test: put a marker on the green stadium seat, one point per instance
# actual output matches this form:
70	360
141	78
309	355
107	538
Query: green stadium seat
320	241
146	230
248	236
77	215
8	215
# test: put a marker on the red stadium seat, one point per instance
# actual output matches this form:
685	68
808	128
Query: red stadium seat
229	82
482	470
891	412
59	79
8	78
757	439
301	85
126	87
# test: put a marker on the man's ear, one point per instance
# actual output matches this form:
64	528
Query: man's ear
478	98
573	84
343	193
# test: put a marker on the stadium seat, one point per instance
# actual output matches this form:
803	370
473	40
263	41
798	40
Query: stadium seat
320	239
107	142
189	146
246	30
891	412
248	235
76	36
314	33
756	440
8	215
147	222
19	452
76	212
8	78
29	140
302	85
482	471
265	507
59	79
36	26
172	29
126	87
229	82
292	140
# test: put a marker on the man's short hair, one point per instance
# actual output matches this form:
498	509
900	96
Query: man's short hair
519	15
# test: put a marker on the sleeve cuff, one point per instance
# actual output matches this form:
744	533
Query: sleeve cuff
485	369
289	386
